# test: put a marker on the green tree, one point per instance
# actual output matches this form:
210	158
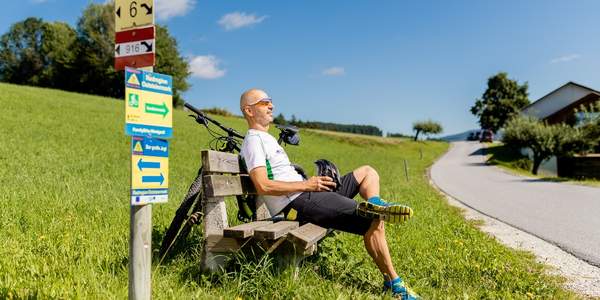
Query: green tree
426	127
280	119
502	99
21	56
589	124
169	61
96	37
60	50
34	52
544	140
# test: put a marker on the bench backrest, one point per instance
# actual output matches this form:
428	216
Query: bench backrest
225	175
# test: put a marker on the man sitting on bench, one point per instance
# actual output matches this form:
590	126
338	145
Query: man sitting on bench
283	190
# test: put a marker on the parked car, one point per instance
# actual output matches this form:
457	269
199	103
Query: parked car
473	136
487	136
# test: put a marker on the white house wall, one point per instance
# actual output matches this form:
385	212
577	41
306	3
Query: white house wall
555	101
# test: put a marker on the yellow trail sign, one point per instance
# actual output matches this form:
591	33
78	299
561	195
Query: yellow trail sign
131	14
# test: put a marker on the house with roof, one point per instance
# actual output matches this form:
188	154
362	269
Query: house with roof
560	106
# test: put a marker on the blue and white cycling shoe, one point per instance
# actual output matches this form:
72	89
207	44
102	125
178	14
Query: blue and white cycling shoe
377	209
399	290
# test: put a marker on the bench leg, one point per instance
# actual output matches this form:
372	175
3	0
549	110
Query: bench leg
213	262
215	220
289	256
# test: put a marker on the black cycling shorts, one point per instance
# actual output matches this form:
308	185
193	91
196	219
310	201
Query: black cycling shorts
336	210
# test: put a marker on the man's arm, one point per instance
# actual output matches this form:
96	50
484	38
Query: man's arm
265	186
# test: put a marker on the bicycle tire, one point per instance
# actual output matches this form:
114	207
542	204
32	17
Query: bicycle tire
181	215
187	226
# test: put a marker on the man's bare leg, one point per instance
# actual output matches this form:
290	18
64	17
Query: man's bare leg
368	181
374	239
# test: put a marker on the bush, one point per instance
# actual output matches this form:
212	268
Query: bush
544	140
217	111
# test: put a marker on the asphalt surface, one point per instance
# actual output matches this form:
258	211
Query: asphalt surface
564	214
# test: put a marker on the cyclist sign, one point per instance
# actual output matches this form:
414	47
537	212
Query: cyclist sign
149	170
148	104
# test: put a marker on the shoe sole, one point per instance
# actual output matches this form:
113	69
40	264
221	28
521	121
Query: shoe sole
391	214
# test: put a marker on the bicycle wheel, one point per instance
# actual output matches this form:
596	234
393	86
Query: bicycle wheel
182	215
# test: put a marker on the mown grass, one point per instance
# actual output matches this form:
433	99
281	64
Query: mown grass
64	217
513	161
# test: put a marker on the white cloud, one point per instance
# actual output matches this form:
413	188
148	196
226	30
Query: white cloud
565	58
236	20
166	9
206	67
334	71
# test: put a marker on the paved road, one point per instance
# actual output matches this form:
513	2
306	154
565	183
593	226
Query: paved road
564	214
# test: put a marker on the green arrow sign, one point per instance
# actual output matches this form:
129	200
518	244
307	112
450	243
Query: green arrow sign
157	109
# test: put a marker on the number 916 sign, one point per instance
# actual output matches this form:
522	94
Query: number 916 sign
133	14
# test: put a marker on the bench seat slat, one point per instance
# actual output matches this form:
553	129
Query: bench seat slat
275	230
245	230
220	244
307	235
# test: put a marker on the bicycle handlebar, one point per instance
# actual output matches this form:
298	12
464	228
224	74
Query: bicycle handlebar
230	131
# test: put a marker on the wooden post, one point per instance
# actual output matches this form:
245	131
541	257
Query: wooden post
406	169
140	252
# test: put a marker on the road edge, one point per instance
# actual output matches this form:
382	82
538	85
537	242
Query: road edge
581	277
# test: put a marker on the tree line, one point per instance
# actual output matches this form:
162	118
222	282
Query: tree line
80	59
351	128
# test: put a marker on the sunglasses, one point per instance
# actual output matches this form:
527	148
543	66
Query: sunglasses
263	102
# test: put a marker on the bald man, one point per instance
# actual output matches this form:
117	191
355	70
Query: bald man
285	191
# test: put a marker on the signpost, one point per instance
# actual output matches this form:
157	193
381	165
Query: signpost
134	48
149	170
148	110
133	13
148	119
148	104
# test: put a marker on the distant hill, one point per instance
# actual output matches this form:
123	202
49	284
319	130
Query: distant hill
458	136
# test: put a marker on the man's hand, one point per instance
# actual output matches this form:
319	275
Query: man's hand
320	184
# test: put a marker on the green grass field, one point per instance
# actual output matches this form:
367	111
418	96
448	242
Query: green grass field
64	217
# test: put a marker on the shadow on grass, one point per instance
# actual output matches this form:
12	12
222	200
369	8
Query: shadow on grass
507	156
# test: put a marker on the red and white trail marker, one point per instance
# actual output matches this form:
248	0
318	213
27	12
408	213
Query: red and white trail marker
135	48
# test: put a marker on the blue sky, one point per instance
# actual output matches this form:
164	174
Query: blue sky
384	63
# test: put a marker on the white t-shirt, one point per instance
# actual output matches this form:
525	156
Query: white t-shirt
259	146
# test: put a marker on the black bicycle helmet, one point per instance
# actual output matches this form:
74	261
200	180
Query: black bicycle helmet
327	168
288	134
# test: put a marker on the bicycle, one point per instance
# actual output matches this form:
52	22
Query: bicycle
189	212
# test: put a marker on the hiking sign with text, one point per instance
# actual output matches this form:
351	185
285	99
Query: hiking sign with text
148	104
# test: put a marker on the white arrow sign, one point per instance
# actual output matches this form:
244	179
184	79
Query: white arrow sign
134	48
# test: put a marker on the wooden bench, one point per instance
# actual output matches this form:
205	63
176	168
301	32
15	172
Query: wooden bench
224	175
